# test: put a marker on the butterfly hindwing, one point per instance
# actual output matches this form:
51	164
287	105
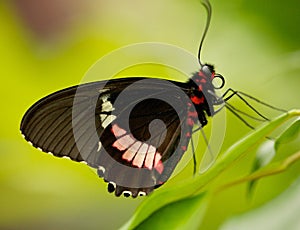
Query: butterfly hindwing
107	126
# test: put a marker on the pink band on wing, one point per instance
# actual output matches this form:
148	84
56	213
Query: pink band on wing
150	157
158	165
157	158
130	153
140	155
117	131
124	142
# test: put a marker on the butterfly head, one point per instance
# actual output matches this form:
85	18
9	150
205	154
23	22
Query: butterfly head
208	79
212	81
204	83
207	71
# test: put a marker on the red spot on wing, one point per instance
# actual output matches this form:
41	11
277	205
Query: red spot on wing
183	148
197	100
200	87
190	121
201	74
192	114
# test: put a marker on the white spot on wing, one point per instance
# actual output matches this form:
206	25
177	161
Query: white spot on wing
30	143
101	168
50	153
99	146
103	90
107	106
39	149
108	120
142	193
104	97
127	193
102	117
113	184
83	162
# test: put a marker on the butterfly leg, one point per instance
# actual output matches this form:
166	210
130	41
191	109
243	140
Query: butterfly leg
239	117
194	156
242	96
239	94
212	156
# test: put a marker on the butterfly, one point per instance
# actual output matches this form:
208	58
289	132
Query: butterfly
134	131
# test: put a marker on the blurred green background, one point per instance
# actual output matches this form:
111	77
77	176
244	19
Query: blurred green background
49	45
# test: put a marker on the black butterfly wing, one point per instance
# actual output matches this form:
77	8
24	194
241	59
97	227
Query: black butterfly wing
143	138
47	124
133	138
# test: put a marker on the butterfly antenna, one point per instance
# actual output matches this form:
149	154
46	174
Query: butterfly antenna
207	6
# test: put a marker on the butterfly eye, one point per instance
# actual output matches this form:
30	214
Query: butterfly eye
218	81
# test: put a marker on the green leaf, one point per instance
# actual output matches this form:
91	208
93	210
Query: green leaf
268	149
290	134
183	214
280	213
269	170
168	195
264	156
